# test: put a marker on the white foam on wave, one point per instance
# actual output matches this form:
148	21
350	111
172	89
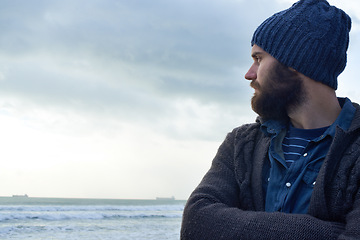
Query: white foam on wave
79	215
31	208
58	213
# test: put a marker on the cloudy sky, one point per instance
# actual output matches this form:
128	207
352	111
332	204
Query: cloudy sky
127	98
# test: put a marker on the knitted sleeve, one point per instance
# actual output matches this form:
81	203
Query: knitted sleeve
213	211
352	229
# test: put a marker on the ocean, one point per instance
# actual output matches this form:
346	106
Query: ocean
101	219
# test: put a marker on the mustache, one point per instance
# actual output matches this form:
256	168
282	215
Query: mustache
255	84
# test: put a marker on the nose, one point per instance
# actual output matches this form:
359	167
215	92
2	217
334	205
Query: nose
252	73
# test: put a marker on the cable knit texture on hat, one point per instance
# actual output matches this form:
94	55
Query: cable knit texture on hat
311	36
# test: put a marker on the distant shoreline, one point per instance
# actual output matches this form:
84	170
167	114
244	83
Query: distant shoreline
94	199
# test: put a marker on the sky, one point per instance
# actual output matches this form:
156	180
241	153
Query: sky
128	98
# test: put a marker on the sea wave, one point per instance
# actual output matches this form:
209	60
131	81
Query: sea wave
62	208
80	216
58	213
73	219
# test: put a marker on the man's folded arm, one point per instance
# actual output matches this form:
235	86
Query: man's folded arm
213	211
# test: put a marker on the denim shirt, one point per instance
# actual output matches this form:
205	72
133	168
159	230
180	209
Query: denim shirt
289	189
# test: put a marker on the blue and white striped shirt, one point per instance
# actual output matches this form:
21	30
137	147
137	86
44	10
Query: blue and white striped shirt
296	140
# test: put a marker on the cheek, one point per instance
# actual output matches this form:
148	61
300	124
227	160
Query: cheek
266	73
264	80
262	75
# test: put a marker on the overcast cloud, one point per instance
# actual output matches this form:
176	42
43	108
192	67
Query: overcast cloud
129	98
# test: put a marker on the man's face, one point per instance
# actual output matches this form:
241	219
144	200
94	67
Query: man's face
278	89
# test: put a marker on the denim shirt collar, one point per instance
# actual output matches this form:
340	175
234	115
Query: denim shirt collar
344	119
274	127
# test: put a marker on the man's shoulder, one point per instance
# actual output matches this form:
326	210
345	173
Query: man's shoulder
356	119
248	127
356	106
247	131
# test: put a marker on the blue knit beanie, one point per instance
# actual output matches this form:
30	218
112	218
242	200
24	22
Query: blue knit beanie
311	36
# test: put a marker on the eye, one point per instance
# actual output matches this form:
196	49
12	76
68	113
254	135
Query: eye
256	57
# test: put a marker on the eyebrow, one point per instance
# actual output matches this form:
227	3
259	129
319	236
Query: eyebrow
254	54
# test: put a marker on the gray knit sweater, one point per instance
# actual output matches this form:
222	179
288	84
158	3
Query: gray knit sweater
229	202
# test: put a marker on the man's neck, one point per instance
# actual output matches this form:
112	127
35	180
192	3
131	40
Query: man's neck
311	119
319	110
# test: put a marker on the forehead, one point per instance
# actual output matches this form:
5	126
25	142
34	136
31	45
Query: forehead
257	50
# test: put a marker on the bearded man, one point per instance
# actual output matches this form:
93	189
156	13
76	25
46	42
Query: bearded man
295	172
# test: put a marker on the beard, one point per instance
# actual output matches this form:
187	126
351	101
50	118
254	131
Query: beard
281	92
